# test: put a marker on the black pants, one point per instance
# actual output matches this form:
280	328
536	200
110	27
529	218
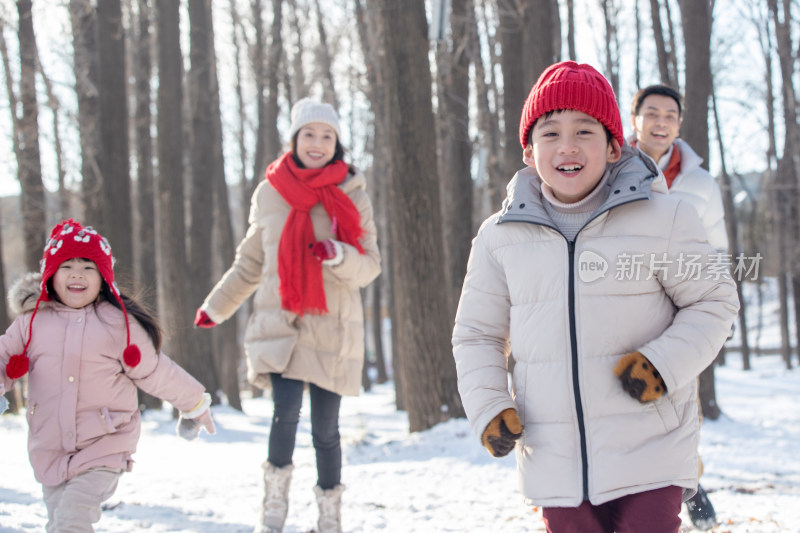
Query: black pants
287	398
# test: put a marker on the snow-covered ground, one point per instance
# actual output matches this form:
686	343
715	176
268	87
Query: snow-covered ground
440	480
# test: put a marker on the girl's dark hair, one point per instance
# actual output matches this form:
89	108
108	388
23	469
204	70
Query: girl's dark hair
138	311
338	153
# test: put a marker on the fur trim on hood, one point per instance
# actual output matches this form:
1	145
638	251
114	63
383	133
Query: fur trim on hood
24	292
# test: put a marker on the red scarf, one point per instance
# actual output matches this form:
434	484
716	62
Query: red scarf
299	271
673	167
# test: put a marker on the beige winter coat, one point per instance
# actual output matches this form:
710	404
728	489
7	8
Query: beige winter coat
568	311
327	350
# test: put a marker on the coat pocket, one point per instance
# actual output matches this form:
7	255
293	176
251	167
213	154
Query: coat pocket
106	421
666	410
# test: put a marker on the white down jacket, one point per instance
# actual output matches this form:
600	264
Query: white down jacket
567	311
695	185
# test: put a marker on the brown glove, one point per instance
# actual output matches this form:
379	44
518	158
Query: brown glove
502	433
640	378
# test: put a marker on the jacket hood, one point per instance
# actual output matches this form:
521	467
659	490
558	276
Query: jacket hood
634	177
24	292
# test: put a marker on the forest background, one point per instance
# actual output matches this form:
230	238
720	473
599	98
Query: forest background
153	120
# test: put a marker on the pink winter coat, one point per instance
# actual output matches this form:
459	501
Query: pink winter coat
82	400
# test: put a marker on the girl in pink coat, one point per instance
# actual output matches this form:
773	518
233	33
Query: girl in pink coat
85	358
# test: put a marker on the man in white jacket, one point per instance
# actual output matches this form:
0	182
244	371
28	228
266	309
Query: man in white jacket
656	115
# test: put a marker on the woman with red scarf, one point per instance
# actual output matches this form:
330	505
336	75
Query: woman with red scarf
311	245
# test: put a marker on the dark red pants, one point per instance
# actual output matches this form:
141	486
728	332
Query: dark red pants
654	511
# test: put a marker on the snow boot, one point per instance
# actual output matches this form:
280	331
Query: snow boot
330	509
701	511
276	498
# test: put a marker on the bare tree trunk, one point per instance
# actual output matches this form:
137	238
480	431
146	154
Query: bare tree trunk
177	314
260	157
498	168
324	59
84	44
456	149
610	12
267	72
778	223
377	333
661	49
371	50
202	185
14	397
145	250
298	73
510	17
55	109
538	45
422	325
29	166
228	353
274	53
13	101
571	30
672	55
116	221
733	236
696	18
488	127
788	173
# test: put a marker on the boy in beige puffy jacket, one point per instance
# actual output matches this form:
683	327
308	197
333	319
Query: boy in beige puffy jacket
611	301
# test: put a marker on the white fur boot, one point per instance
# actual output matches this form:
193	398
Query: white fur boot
330	509
276	498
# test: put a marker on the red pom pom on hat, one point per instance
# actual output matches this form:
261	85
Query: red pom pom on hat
17	366
132	355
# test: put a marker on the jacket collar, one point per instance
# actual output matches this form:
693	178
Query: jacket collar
634	177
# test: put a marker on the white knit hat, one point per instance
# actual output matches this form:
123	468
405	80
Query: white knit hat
306	111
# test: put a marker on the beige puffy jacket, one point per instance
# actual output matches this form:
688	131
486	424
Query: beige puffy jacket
327	350
567	311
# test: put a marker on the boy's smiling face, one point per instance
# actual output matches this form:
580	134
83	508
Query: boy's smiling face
570	150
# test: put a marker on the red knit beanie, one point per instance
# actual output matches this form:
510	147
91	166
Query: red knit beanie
69	240
569	85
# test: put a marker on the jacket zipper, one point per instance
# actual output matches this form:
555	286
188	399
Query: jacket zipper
573	337
576	389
